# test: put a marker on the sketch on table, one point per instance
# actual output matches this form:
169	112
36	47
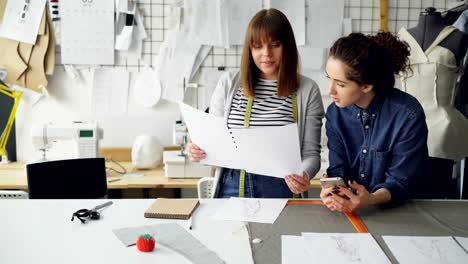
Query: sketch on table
426	249
251	208
347	247
431	249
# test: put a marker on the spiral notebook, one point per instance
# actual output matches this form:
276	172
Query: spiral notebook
172	208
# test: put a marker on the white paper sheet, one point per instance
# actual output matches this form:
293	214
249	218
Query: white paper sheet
425	250
87	32
176	61
251	210
206	22
463	241
236	15
295	12
22	25
272	151
324	22
293	250
110	91
201	56
147	89
139	34
344	248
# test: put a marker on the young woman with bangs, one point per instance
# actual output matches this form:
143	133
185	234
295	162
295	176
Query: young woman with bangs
271	91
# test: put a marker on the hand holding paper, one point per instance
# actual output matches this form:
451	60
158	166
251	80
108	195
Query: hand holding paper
272	151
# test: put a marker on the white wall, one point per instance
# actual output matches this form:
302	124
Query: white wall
70	100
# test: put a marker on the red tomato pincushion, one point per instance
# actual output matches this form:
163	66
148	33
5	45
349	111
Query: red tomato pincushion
145	243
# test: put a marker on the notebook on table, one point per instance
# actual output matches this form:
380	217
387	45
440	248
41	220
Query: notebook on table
172	208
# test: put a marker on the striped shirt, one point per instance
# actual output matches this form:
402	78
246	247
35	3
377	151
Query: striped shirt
268	108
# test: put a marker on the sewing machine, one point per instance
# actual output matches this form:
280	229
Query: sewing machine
84	137
176	163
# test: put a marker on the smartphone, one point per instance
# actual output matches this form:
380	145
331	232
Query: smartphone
333	181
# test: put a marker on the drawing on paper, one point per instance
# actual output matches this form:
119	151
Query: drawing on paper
251	208
347	248
430	249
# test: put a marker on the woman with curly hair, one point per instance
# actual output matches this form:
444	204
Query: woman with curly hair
377	134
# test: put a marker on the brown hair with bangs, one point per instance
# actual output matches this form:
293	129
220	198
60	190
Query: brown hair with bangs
266	25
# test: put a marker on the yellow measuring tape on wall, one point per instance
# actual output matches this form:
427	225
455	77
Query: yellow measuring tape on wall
248	112
16	95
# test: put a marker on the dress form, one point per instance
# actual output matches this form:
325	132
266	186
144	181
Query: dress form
453	47
430	24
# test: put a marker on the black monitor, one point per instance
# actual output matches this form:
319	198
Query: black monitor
67	179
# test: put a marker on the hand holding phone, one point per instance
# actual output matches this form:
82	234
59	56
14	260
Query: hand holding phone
333	181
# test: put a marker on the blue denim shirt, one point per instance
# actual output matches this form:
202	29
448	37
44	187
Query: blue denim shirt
382	146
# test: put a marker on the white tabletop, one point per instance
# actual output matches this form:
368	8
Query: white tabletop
40	231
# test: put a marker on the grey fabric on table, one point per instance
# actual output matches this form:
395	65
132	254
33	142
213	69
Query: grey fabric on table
415	218
174	237
294	219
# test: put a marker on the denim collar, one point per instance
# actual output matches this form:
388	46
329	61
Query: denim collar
372	108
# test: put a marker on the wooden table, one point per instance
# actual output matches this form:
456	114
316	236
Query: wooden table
13	177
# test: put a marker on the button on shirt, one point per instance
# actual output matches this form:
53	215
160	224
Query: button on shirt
382	146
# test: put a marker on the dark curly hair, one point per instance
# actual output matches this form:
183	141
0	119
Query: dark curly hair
373	59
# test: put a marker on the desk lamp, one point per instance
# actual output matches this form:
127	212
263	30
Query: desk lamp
16	95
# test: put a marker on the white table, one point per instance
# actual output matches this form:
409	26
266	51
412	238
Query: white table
40	231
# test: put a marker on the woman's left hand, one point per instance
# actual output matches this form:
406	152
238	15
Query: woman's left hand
297	183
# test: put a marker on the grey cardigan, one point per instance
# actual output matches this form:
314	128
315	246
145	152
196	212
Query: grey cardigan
310	114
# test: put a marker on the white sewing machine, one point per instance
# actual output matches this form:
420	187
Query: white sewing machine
83	136
176	163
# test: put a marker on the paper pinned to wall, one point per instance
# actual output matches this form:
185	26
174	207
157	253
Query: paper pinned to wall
87	32
205	22
177	60
425	249
21	20
295	12
324	22
344	248
147	89
136	47
251	210
236	15
110	91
